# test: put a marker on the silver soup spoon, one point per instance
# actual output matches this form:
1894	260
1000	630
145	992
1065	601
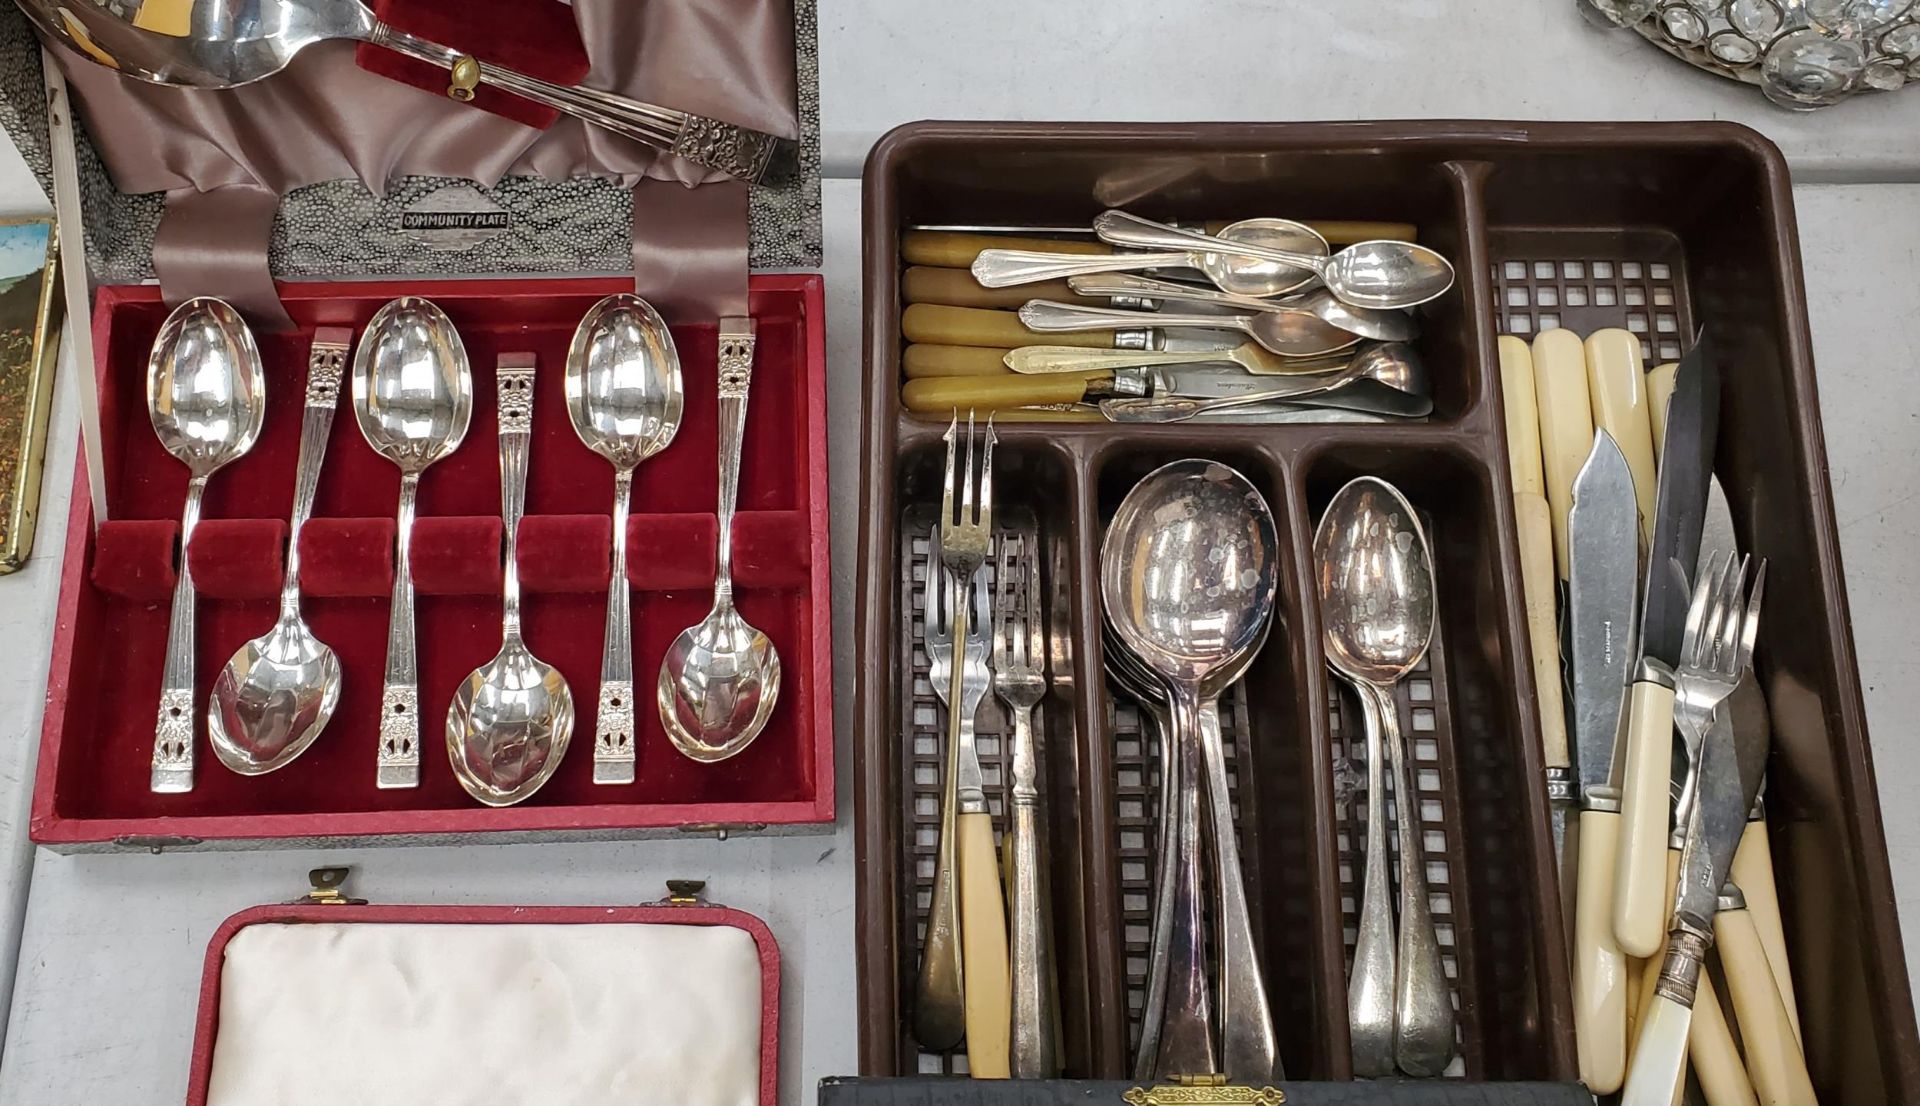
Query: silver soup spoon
1376	609
206	395
413	399
624	398
1188	574
275	696
721	678
511	718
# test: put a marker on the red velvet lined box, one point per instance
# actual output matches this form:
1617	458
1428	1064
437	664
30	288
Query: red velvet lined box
207	1026
96	740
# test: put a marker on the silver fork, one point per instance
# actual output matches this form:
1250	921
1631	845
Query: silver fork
1712	654
1018	657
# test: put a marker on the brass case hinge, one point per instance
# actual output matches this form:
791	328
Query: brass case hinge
1204	1090
328	888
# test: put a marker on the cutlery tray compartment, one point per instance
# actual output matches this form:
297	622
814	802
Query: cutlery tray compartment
97	739
1666	226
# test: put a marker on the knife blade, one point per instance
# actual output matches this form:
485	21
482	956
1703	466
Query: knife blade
1604	562
1605	567
1692	426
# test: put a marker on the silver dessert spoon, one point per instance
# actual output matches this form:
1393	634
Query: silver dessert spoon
1230	272
275	696
206	395
1376	610
511	718
413	399
1188	572
721	678
624	398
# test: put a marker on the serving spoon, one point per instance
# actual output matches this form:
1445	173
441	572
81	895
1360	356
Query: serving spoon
413	400
625	400
275	696
1188	573
511	718
228	43
1287	333
720	678
1375	576
206	396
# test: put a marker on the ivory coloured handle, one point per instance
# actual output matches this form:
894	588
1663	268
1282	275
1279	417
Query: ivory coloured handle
1523	417
1715	1056
1566	425
956	250
1618	389
946	394
1599	968
983	950
1534	520
1659	391
1660	1055
976	326
1774	1060
922	360
1639	891
1753	874
957	288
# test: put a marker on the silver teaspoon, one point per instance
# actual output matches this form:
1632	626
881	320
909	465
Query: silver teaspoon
511	718
206	395
413	399
721	678
624	398
275	696
1376	609
1379	274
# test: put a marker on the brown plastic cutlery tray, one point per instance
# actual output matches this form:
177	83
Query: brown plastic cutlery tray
1658	228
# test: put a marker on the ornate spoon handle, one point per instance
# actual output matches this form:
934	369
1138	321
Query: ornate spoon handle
750	155
172	771
398	761
613	753
516	428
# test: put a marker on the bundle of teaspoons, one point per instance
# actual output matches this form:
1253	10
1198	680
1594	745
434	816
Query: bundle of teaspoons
1089	324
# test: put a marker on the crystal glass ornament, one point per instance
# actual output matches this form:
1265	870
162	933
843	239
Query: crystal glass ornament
1802	54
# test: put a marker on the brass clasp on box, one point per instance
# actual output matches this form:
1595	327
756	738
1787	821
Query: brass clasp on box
463	78
1204	1090
329	888
685	892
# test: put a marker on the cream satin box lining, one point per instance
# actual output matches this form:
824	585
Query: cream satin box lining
571	1007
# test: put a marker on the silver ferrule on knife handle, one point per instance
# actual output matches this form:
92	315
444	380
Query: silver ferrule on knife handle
1686	956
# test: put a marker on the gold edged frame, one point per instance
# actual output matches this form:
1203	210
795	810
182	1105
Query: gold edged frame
30	310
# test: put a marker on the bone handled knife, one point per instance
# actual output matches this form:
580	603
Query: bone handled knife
1602	535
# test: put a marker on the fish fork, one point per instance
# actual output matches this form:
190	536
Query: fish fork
1020	682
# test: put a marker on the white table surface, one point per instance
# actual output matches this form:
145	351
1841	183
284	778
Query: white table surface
110	957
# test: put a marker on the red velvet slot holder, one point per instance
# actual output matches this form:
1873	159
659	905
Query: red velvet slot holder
207	1028
96	739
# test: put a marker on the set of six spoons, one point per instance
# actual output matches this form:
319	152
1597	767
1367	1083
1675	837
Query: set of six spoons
510	721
